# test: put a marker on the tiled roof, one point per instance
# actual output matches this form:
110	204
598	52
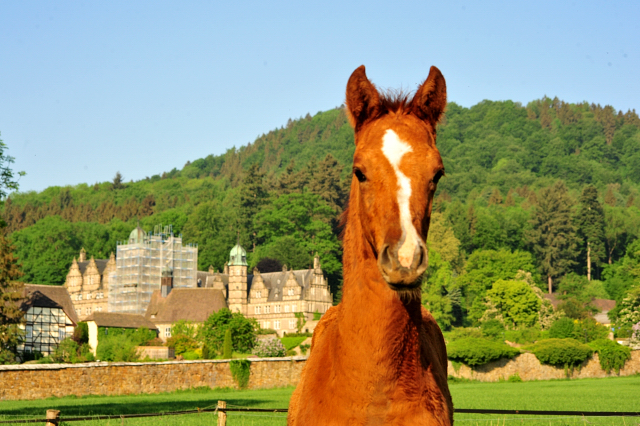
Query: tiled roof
110	319
52	296
189	304
605	305
101	264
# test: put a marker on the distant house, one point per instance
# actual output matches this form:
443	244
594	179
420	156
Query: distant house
189	304
604	305
49	317
114	320
88	283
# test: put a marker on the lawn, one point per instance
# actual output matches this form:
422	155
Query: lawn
612	394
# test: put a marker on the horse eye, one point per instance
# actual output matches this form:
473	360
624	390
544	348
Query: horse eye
438	175
359	175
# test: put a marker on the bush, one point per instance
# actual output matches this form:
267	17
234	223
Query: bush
587	330
524	336
268	348
561	352
81	333
562	328
119	344
473	351
462	333
68	351
492	329
182	343
304	348
191	355
611	354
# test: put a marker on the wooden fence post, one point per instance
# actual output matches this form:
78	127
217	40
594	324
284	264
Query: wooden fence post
222	415
53	417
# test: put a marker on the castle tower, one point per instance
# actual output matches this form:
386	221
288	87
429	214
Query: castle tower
238	280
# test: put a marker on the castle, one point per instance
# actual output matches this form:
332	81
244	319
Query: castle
125	283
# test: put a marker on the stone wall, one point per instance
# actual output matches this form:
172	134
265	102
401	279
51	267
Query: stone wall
528	367
37	381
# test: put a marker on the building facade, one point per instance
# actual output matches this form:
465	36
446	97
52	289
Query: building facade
274	298
49	318
139	265
88	283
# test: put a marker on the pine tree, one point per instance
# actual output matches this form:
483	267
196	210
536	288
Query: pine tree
590	221
610	197
10	295
326	183
117	182
227	346
253	196
496	197
553	236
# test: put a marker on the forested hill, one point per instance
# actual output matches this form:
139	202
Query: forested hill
491	151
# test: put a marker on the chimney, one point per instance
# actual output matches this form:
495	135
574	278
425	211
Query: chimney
166	282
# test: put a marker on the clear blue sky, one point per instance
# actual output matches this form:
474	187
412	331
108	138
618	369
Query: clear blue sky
140	87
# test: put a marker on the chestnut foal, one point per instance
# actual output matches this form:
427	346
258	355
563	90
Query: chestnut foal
379	358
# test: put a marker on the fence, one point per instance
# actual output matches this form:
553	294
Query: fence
53	416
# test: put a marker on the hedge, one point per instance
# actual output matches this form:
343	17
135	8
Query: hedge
561	352
479	351
612	355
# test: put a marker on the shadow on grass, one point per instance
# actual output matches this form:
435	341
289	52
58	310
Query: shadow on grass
146	403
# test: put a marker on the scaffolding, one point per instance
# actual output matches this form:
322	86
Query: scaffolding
139	266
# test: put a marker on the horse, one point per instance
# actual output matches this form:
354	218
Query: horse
379	357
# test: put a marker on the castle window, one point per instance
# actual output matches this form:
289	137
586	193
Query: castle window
99	309
257	309
266	324
276	325
167	332
290	292
293	307
286	308
88	310
258	294
267	309
292	324
79	296
277	310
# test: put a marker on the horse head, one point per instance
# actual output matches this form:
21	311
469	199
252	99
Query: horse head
396	168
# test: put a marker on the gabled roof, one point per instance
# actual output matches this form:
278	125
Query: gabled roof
101	264
605	305
48	296
189	304
110	319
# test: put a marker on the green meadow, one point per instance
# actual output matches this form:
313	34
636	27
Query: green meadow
612	394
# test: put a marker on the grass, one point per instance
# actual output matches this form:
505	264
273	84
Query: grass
292	342
611	394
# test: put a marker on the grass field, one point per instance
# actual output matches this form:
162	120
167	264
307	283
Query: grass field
612	394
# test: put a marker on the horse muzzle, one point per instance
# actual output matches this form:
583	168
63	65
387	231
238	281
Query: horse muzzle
398	276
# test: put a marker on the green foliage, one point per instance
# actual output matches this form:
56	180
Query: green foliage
515	302
562	328
523	336
182	343
300	321
492	329
304	348
612	355
590	224
81	333
11	335
462	333
226	351
474	352
316	316
119	344
587	329
561	352
243	331
69	351
439	291
240	371
514	378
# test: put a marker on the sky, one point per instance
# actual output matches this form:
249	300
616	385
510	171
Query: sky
88	89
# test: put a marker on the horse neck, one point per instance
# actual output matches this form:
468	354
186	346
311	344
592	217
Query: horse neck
373	315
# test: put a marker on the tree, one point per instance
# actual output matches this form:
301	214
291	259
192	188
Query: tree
590	221
117	182
10	294
553	236
243	331
442	240
253	196
8	181
515	302
326	183
440	296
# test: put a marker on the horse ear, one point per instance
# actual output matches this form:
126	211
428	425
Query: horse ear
430	100
363	99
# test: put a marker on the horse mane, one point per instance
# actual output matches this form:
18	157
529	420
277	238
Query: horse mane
395	100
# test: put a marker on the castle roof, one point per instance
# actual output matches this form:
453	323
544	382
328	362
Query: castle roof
238	256
189	304
137	235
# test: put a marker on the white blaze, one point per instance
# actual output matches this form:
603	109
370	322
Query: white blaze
394	149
